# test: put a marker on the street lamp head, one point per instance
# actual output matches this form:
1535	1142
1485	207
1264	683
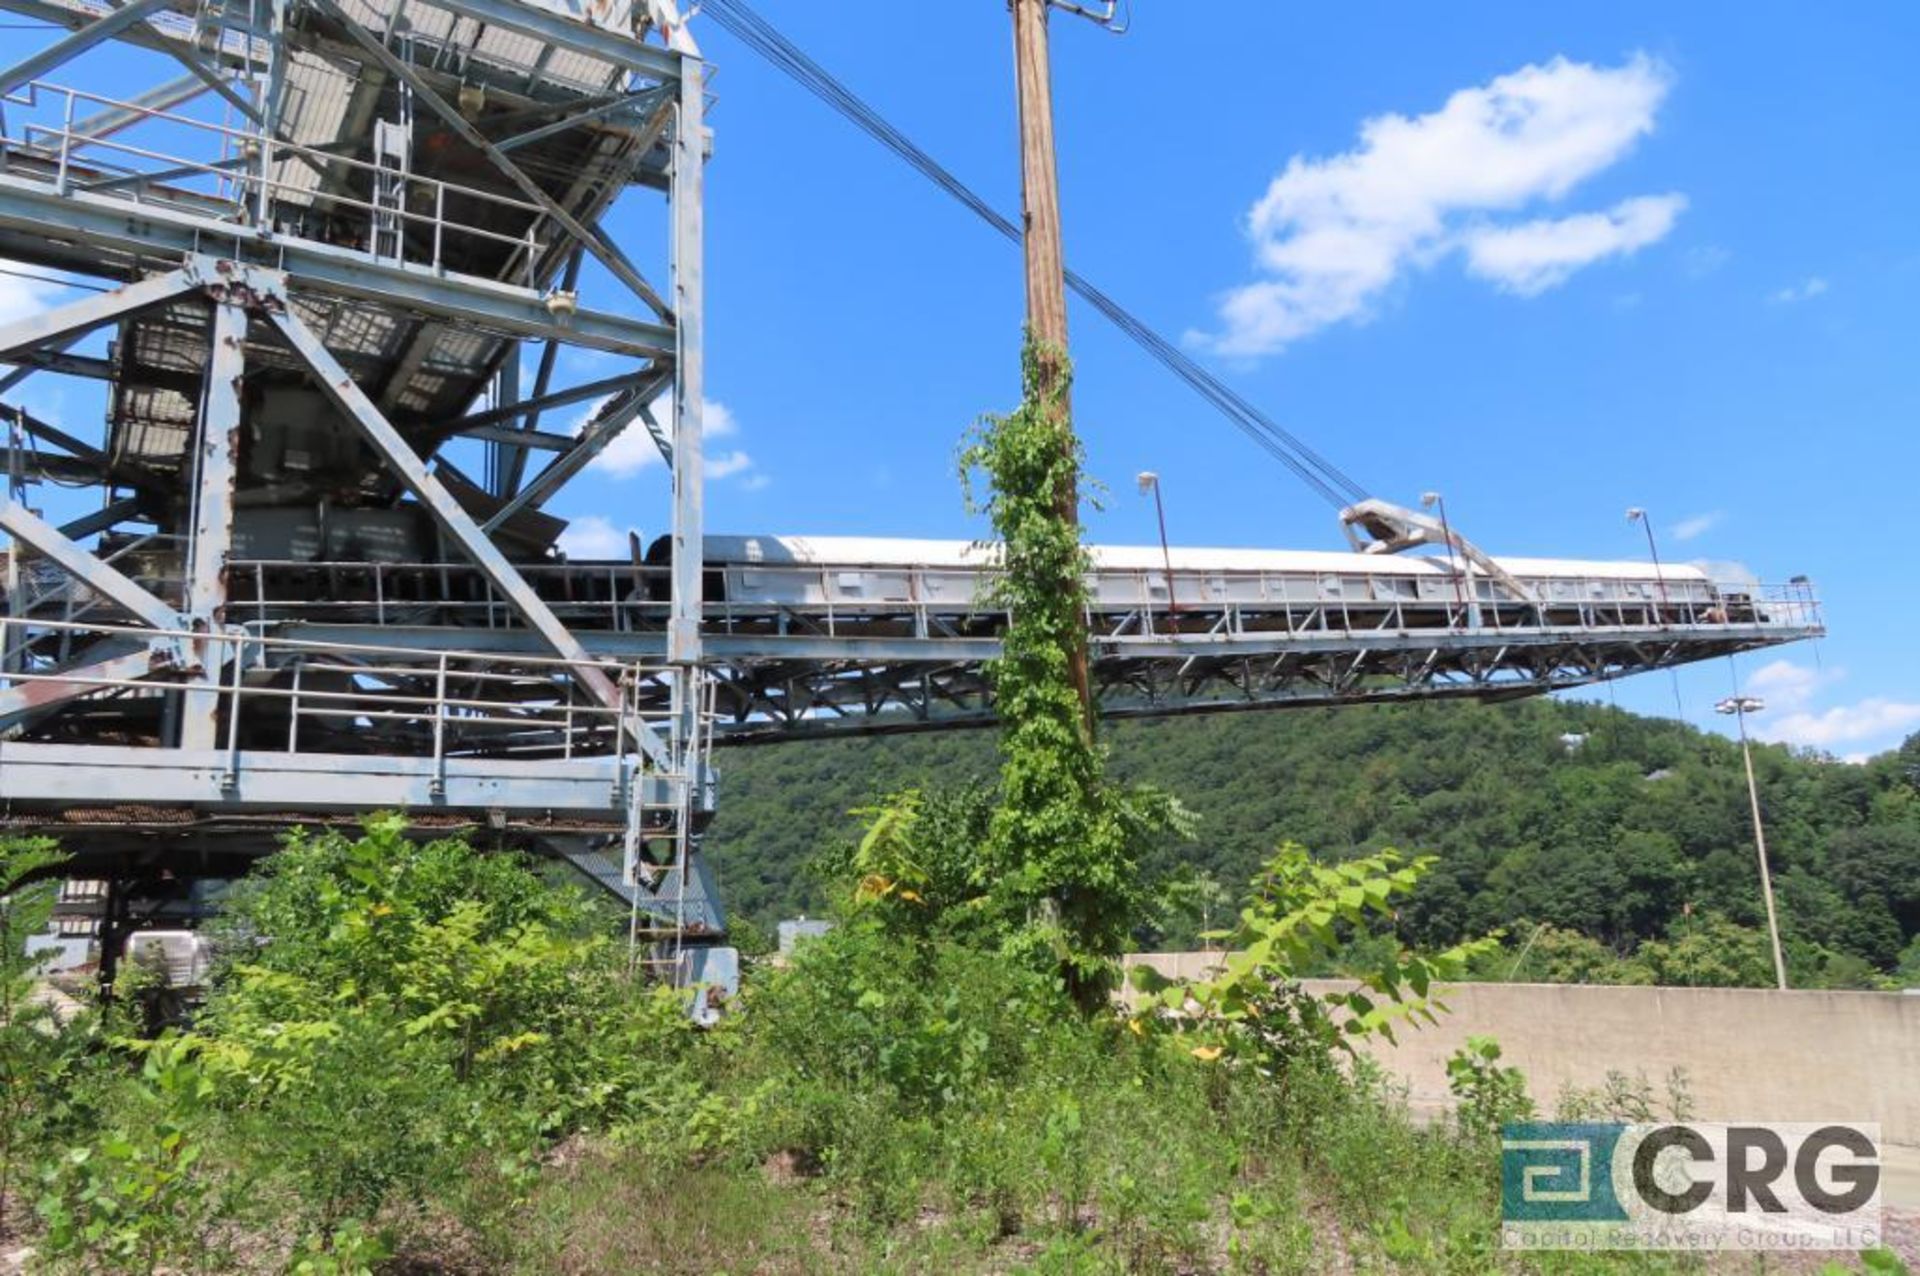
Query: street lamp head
1429	499
1148	480
1635	514
1740	704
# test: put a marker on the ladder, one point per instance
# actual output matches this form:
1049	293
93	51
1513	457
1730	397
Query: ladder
393	161
662	806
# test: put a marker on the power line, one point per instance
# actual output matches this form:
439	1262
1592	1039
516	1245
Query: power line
1320	474
48	279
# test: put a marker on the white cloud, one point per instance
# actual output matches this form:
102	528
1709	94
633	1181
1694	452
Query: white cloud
593	537
1696	526
1331	234
728	464
1789	686
25	293
1534	256
634	449
1792	716
1728	573
22	297
1806	290
1874	718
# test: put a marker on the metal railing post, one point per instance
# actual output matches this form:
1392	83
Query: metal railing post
439	786
238	656
66	146
293	709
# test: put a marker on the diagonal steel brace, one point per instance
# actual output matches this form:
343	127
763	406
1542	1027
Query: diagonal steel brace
346	394
92	572
50	326
587	236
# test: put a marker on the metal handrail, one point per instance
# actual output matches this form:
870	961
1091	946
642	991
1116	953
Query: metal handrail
545	723
1596	603
250	638
61	144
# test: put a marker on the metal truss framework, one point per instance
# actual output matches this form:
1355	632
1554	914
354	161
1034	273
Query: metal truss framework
347	219
805	671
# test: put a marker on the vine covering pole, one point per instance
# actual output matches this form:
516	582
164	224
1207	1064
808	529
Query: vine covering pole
1046	275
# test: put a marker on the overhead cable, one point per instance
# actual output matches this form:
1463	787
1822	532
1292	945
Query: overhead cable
1325	478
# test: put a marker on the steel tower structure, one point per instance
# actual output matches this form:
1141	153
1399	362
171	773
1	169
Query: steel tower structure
326	230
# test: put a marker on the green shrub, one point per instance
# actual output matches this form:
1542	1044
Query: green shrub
392	1014
37	1053
136	1195
1488	1094
915	1026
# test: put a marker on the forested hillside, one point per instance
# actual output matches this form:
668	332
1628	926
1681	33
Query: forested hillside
1636	832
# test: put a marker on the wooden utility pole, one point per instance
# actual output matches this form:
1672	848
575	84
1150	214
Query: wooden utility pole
1046	271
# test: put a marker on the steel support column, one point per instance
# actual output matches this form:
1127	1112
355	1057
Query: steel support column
611	421
206	593
506	393
515	468
689	495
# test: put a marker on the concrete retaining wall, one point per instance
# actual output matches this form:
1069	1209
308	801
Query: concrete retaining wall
1749	1054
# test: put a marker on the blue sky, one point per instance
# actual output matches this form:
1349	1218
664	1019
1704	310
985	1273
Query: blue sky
1552	262
1739	361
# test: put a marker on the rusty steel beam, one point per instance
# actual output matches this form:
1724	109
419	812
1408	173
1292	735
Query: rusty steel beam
216	445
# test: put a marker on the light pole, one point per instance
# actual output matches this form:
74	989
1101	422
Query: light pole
1432	500
1638	515
1740	707
1150	481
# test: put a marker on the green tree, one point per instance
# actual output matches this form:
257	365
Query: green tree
1612	839
1907	973
1709	951
1063	846
1553	955
138	1195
